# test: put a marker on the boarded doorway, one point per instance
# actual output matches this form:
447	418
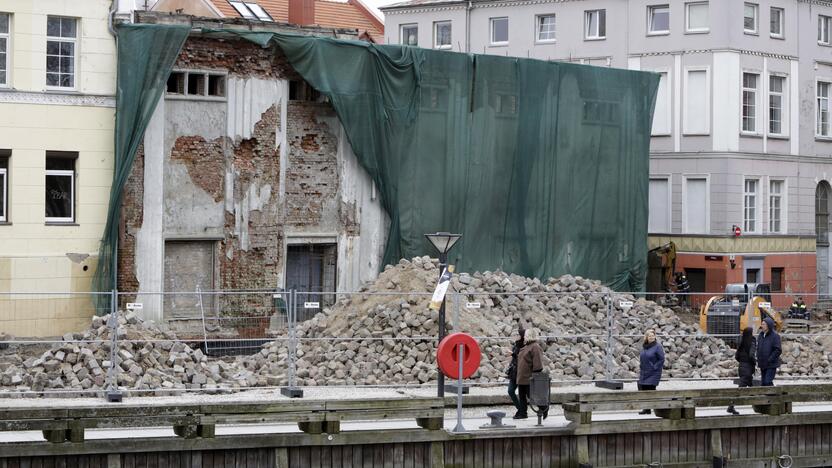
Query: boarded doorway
311	269
189	267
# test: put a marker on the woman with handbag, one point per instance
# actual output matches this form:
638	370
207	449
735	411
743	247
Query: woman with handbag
529	359
651	362
512	370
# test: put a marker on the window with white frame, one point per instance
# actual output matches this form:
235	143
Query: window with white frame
750	83
749	205
61	41
60	187
750	15
695	206
595	24
822	119
442	34
251	10
196	84
824	29
776	21
4	185
662	116
776	104
696	112
775	206
658	19
409	34
658	219
546	28
696	14
499	31
5	26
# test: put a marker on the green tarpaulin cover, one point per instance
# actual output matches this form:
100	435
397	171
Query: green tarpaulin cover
542	166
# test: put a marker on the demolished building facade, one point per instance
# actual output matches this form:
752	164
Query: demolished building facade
245	181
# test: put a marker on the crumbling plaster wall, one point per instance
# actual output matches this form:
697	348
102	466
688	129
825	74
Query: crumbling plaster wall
249	172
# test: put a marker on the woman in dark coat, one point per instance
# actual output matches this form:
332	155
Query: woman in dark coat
652	362
745	357
530	359
512	370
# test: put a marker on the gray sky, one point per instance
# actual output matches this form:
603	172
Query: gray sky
374	4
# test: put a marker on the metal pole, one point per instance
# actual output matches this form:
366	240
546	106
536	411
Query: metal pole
202	313
608	367
291	390
113	395
443	263
459	427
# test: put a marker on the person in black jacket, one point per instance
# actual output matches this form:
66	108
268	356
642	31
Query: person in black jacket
512	369
745	356
768	352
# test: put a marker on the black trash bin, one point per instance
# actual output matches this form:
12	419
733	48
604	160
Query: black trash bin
540	386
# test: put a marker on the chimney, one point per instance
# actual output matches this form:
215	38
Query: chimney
302	12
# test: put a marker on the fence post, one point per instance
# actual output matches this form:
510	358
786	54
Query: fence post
292	391
609	381
113	394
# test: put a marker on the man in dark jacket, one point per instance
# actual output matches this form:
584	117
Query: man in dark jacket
512	370
768	352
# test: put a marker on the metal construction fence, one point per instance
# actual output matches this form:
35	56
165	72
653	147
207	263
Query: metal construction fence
224	341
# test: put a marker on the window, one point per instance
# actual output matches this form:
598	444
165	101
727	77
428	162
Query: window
822	90
824	26
695	208
302	91
409	34
749	102
822	213
750	18
196	84
658	19
4	49
442	34
499	31
775	206
546	28
661	117
659	207
775	104
752	275
249	10
595	26
750	205
697	115
777	279
4	185
776	22
697	17
60	187
61	36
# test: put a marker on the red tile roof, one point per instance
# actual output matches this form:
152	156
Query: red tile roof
352	14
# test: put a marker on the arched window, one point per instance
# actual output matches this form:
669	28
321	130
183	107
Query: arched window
822	213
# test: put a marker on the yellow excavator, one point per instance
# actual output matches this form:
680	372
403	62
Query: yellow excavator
661	264
743	305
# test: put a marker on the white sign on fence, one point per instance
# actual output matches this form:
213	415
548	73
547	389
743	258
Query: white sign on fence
472	305
626	304
311	305
765	305
134	306
735	303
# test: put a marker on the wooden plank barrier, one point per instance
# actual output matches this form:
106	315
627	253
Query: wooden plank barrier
682	404
199	420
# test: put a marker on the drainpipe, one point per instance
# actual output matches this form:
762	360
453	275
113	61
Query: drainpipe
468	27
110	17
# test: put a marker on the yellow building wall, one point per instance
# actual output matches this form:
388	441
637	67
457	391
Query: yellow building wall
44	264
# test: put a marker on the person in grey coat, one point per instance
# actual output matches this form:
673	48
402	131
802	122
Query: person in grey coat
768	352
651	364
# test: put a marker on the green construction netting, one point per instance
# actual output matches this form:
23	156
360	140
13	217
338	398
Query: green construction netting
543	167
146	54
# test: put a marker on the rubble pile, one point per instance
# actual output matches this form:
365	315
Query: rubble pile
149	357
382	336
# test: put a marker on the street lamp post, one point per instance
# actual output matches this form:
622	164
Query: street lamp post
443	242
